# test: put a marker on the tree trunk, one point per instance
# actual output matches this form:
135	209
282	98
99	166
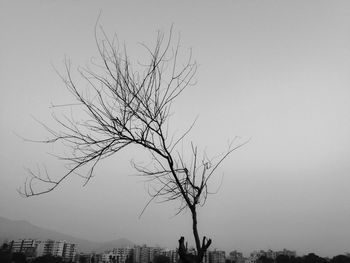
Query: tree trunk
185	256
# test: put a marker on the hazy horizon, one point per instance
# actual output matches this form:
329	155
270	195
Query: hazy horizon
277	72
124	239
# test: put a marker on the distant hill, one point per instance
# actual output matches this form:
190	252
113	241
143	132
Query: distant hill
16	229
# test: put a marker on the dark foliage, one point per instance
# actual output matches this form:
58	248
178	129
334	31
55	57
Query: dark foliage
310	258
264	259
161	259
48	259
5	256
283	259
340	259
313	258
130	259
19	257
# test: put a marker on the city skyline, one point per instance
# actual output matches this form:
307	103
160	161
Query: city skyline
276	73
57	248
33	249
38	234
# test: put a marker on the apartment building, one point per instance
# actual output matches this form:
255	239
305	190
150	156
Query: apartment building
235	256
24	245
172	255
142	254
217	256
57	248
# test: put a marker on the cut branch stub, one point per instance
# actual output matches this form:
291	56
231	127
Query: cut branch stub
188	257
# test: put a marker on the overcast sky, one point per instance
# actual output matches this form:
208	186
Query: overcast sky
277	72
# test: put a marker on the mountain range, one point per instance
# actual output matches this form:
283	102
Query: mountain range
17	229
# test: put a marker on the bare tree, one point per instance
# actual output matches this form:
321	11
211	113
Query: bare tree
125	106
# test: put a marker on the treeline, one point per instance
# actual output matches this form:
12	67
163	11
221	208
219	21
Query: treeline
310	258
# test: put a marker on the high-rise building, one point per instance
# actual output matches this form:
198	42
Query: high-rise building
145	254
137	254
122	254
26	246
171	254
108	257
22	245
45	248
69	252
57	248
154	252
142	254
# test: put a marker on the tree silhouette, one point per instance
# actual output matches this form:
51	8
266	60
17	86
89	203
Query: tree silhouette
265	259
19	257
5	253
48	259
128	106
283	259
161	259
313	258
340	259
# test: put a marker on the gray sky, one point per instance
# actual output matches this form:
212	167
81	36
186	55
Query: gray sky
273	71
